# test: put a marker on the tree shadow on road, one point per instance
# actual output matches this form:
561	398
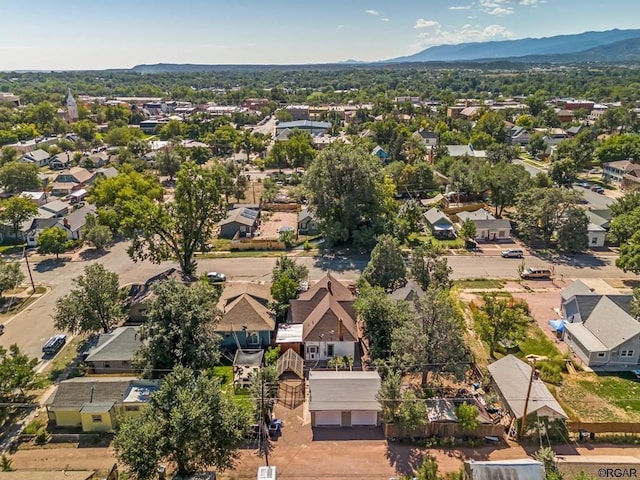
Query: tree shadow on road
93	254
50	264
340	262
585	260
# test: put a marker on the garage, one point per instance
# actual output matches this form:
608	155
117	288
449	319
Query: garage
366	418
328	419
344	398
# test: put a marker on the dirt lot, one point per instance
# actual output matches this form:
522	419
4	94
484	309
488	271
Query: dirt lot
269	227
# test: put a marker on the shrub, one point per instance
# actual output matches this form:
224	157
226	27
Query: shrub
41	437
550	372
306	246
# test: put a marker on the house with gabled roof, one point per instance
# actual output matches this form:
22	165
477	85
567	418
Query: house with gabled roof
439	223
95	404
488	227
114	351
600	329
242	222
247	320
329	320
38	157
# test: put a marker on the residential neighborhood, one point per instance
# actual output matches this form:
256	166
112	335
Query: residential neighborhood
232	272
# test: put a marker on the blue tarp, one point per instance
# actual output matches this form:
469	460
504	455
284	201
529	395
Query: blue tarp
558	325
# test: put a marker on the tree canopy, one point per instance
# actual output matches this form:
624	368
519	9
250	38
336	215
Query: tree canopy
179	330
386	267
95	304
189	421
177	229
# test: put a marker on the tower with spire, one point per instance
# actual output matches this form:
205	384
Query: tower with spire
72	108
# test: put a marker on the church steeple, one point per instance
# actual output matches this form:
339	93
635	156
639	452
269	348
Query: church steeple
72	108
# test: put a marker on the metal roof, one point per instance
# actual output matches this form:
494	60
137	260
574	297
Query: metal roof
511	376
343	390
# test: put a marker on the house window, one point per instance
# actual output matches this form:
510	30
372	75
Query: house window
594	240
502	234
243	228
601	354
131	408
330	350
96	418
312	349
626	353
253	338
107	365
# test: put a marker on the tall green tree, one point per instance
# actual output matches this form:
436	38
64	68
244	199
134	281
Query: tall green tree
499	320
17	371
188	412
379	314
168	163
428	269
15	211
468	229
629	258
179	330
542	211
11	275
95	303
504	182
432	339
345	191
386	267
564	172
288	267
96	234
18	177
573	233
52	240
176	230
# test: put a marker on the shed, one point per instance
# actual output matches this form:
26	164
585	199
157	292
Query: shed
511	377
245	364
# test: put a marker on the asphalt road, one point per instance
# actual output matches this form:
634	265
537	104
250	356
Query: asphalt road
34	325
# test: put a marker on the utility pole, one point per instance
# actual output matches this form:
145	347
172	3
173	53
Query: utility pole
26	259
532	377
263	434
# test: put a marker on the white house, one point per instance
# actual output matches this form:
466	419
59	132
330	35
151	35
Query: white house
488	227
596	235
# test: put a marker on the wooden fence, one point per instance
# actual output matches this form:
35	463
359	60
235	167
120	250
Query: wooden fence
444	430
607	427
256	244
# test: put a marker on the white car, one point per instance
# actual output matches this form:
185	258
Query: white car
216	277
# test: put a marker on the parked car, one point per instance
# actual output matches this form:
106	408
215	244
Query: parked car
534	272
512	253
597	189
216	277
583	184
1	328
54	344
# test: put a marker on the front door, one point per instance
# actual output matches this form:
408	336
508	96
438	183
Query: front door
312	352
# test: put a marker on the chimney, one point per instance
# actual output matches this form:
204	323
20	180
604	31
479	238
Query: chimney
92	390
340	332
329	287
65	222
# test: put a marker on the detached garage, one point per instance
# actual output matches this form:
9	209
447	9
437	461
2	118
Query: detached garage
344	399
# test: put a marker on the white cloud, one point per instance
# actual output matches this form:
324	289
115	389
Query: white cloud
460	7
500	11
372	12
436	35
340	26
530	3
385	19
422	23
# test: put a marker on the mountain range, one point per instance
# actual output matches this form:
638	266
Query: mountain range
611	46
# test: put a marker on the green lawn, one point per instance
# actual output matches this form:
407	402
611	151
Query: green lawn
241	395
621	389
537	343
478	283
11	249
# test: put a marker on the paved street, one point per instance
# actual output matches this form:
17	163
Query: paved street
32	327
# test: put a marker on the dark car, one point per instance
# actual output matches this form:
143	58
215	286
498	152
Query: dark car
597	189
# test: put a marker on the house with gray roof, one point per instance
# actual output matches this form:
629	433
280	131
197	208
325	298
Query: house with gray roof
440	225
409	292
511	377
488	227
95	404
307	223
39	157
600	329
344	398
240	221
74	223
114	351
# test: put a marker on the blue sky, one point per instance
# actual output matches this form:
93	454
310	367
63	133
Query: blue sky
96	34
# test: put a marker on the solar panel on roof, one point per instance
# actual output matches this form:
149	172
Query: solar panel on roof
252	214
